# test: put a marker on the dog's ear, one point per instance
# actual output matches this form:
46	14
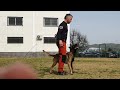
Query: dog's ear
76	46
70	46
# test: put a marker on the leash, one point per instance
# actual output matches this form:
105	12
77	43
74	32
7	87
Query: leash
30	50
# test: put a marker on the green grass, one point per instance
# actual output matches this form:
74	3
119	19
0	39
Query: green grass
85	68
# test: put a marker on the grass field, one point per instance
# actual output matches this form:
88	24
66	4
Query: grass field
85	68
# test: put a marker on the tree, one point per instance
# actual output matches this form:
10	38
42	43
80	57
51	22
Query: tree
110	50
77	38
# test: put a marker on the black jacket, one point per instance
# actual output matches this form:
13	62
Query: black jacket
62	31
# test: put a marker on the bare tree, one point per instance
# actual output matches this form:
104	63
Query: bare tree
77	38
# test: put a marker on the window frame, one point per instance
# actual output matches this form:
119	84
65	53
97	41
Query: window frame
50	24
8	24
8	42
44	42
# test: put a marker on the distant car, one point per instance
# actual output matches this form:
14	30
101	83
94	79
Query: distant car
89	54
99	54
112	55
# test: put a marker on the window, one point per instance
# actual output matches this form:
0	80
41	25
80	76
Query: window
49	40
15	21
14	39
52	22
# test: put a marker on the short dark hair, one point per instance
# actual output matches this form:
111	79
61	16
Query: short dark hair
67	15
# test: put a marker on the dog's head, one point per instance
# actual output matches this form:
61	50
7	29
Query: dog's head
73	48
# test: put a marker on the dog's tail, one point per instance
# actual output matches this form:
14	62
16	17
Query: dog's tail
48	53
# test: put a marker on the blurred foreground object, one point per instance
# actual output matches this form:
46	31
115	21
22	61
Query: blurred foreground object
18	71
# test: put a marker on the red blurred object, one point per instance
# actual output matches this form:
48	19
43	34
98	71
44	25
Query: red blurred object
18	71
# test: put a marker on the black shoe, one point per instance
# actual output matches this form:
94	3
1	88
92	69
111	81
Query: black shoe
61	73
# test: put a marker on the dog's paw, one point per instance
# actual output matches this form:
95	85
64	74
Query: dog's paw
71	73
51	71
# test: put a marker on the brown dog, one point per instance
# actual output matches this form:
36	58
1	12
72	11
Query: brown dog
69	58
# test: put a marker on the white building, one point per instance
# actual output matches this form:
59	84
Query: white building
93	49
30	31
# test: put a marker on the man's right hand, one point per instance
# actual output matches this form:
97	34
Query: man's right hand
60	43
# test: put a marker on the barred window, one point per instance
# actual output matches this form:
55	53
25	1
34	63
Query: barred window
49	40
52	22
15	21
14	39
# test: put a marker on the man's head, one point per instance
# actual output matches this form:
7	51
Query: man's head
68	18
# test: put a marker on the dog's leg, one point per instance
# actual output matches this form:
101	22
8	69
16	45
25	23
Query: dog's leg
72	64
70	68
54	63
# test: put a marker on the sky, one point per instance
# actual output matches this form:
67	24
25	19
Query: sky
98	26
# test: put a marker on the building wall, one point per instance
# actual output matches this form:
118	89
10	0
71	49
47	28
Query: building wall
16	31
32	26
47	31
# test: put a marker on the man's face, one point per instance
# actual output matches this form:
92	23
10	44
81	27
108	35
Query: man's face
69	19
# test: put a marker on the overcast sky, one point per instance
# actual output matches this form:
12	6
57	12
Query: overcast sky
98	26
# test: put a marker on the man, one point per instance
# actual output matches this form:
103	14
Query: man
61	42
